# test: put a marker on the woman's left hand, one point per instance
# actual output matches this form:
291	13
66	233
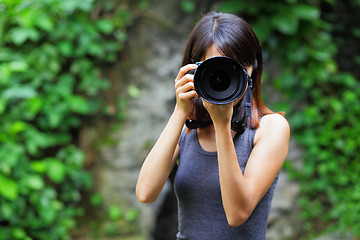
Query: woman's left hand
219	113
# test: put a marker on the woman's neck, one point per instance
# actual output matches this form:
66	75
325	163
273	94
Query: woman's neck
207	138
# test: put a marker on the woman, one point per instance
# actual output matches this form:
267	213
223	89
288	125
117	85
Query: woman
225	179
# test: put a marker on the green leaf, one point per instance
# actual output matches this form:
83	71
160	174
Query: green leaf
55	119
44	22
5	74
39	166
56	170
143	5
96	200
20	35
18	233
336	105
2	106
35	105
133	91
72	156
78	104
104	25
262	29
10	155
70	6
18	66
17	127
95	49
8	188
131	215
19	92
307	12
349	80
234	6
121	36
6	211
34	182
188	6
65	48
285	23
114	212
350	97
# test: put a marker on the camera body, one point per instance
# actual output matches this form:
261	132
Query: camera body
220	80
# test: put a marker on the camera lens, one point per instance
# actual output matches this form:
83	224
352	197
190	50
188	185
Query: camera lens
219	80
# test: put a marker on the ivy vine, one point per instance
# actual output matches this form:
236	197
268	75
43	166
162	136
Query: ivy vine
50	77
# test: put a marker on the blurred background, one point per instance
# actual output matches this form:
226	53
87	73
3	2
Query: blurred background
86	87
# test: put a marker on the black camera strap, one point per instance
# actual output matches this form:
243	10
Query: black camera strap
248	97
239	125
193	124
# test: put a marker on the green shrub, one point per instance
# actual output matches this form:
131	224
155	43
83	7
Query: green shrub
50	54
322	105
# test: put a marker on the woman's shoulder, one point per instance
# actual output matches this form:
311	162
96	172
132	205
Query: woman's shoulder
274	119
272	126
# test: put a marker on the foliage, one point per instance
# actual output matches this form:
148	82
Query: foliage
113	221
322	105
50	57
188	6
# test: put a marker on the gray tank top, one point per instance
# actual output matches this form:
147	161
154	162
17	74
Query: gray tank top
197	187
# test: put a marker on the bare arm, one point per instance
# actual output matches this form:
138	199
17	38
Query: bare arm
161	159
242	192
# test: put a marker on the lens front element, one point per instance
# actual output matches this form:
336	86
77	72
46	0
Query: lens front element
219	80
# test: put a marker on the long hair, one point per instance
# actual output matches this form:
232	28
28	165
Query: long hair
234	38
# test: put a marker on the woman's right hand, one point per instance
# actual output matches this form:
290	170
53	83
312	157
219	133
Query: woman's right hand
184	88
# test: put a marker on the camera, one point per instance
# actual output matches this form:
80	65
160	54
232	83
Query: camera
220	80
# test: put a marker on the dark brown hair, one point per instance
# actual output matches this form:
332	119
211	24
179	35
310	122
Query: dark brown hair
234	38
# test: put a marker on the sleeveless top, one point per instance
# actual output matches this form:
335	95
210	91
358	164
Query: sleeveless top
197	187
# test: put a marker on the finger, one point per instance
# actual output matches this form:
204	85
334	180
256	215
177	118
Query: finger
183	70
188	95
184	80
185	88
